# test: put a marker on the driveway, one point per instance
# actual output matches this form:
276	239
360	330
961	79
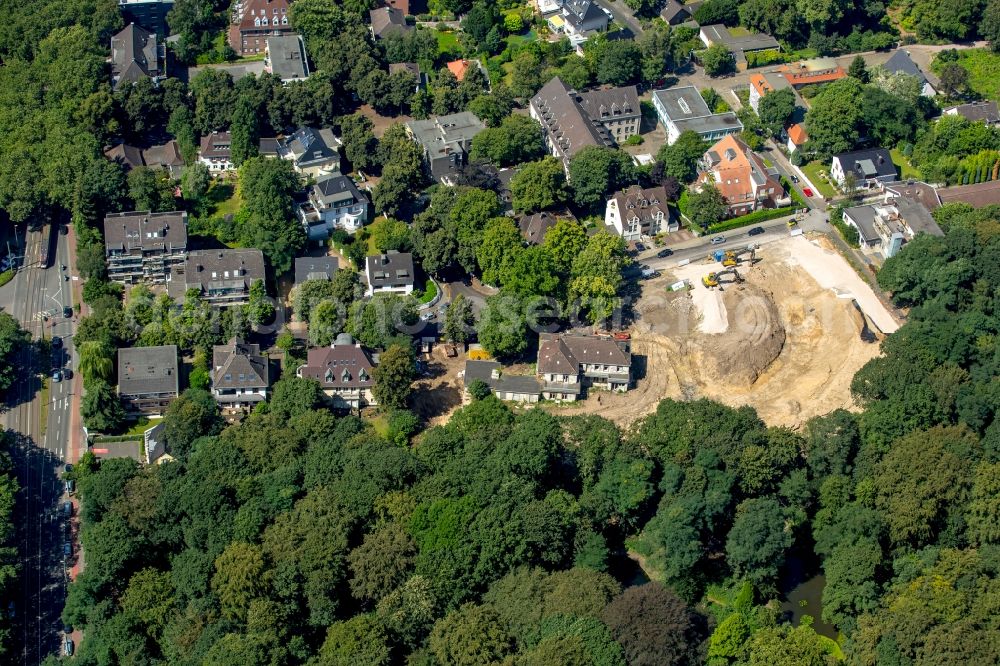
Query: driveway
623	15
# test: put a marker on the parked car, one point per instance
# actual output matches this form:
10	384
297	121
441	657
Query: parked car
67	373
427	316
649	273
795	178
67	548
718	240
57	343
806	191
68	467
68	647
57	376
756	231
639	247
68	312
67	509
665	252
67	628
69	486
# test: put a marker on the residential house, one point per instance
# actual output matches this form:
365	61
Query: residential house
391	272
578	20
741	176
150	14
900	63
315	268
446	141
976	195
534	227
216	152
675	13
387	20
285	57
241	375
253	21
223	277
738	45
977	112
683	109
155	447
136	54
812	72
313	152
164	156
764	83
885	227
868	167
515	388
414	69
148	380
568	364
333	202
636	212
566	126
617	109
459	68
344	371
797	137
144	246
914	190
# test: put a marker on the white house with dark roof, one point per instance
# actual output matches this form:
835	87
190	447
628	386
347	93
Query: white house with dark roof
345	372
869	167
389	273
682	109
216	152
978	112
636	212
568	364
241	375
136	54
312	152
333	202
900	63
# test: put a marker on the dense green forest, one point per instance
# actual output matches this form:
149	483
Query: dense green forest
302	537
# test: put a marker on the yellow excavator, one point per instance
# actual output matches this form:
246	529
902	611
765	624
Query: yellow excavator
712	280
729	259
732	258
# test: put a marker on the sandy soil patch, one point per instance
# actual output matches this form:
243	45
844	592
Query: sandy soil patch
790	344
436	396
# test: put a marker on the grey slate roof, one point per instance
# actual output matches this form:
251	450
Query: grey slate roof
146	231
134	55
287	54
533	227
386	20
216	146
583	11
337	191
611	102
492	374
147	370
864	218
917	216
674	12
871	163
900	63
308	147
390	268
977	111
560	353
443	133
239	365
565	120
229	268
315	268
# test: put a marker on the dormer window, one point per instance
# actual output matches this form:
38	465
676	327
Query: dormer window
256	22
263	21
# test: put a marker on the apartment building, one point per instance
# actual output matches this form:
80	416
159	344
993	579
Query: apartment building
144	246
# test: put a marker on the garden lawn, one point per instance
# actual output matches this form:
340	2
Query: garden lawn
906	170
447	41
222	198
811	171
982	65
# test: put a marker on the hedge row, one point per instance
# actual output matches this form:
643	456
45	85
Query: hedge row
6	276
751	218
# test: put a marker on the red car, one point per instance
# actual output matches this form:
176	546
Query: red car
806	191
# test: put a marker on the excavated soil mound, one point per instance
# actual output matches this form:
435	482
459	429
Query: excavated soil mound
753	340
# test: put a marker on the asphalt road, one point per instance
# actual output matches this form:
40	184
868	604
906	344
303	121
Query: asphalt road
623	15
34	294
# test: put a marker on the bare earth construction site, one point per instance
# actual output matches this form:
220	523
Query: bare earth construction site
786	339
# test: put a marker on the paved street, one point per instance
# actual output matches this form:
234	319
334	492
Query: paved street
623	15
37	294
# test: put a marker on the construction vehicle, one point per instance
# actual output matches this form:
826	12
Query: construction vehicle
712	280
729	259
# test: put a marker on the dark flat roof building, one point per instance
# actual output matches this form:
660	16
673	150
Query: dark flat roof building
224	277
144	246
147	378
285	57
315	268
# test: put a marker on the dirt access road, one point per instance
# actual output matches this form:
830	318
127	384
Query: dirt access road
787	341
